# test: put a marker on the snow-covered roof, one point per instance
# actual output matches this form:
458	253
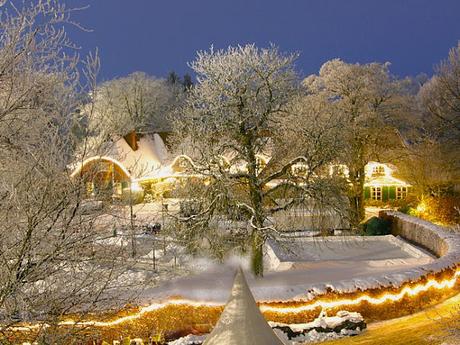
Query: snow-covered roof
148	157
241	322
76	170
381	174
147	160
385	181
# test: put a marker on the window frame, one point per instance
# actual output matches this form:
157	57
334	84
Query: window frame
377	193
401	193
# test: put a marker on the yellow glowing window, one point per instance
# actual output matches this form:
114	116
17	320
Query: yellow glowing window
261	164
378	170
376	193
299	169
401	192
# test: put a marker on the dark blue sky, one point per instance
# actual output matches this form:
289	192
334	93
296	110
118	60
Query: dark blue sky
157	36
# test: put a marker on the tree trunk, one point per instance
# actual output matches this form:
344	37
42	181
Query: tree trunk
255	194
257	258
356	196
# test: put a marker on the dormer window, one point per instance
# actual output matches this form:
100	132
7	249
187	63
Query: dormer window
261	163
299	169
378	170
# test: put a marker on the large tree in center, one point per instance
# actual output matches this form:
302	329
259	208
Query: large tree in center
246	126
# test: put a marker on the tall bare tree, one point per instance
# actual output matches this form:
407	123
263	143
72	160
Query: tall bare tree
431	160
440	96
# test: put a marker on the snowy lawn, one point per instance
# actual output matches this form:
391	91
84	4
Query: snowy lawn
350	248
311	265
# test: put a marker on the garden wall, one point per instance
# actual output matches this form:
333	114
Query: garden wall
391	295
442	243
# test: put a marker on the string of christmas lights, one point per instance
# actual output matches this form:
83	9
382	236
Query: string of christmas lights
411	291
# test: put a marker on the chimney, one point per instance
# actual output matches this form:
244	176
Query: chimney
131	139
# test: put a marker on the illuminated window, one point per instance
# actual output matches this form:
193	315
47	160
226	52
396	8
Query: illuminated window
261	164
299	169
401	192
376	193
378	170
339	170
117	188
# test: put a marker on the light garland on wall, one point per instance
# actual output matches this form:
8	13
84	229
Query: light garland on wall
410	291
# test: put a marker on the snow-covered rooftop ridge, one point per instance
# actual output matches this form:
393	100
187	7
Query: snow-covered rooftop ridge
146	159
241	322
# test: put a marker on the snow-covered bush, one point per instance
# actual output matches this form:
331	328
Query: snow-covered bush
189	340
323	327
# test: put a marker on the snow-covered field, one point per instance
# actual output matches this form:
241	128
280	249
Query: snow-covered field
308	265
295	268
337	251
350	248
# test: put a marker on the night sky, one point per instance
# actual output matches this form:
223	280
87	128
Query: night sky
157	36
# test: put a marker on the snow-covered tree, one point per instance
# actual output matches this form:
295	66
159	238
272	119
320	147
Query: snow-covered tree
50	264
430	160
363	98
440	96
246	126
137	102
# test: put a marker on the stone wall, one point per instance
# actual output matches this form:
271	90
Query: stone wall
444	244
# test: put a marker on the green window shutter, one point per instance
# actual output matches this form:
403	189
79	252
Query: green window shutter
392	194
385	193
367	192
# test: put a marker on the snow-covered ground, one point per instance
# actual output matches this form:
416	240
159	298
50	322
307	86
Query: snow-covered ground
350	248
298	268
314	266
379	251
321	329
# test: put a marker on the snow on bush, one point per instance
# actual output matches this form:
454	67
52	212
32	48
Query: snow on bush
322	328
189	340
